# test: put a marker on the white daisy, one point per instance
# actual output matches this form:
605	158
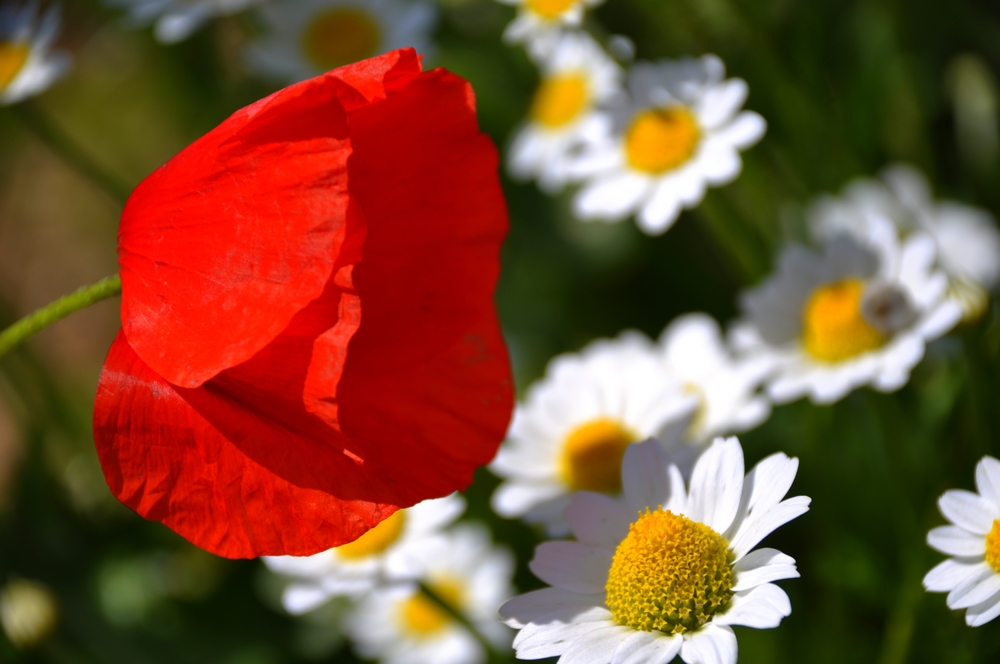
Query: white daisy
967	239
571	431
859	312
538	22
176	20
577	76
971	577
726	387
400	625
678	130
383	554
27	64
309	37
664	571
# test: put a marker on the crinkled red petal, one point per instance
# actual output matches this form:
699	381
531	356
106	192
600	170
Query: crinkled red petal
244	224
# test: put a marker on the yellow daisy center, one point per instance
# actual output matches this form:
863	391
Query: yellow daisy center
12	59
421	616
993	547
592	455
670	574
559	100
549	9
376	540
340	36
833	327
659	140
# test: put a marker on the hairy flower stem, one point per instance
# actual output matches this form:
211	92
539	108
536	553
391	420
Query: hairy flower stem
460	618
67	149
56	311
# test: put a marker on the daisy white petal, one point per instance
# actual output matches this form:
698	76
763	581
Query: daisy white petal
644	477
981	614
595	646
948	575
968	511
767	522
551	604
571	566
27	64
717	485
955	541
648	648
762	607
763	566
988	479
597	519
968	587
712	644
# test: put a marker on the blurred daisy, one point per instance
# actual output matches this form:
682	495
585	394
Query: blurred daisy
401	625
538	22
309	37
27	64
572	429
678	130
383	554
725	387
577	76
664	571
972	576
967	239
857	313
176	20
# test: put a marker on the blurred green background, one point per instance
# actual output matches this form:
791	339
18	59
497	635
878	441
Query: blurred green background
846	87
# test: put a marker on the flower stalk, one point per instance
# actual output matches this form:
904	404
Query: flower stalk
458	617
56	311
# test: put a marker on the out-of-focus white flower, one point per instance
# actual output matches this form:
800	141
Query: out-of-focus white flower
860	312
386	553
967	239
176	20
971	577
398	624
28	66
538	22
29	613
677	131
665	571
572	429
725	386
577	77
309	37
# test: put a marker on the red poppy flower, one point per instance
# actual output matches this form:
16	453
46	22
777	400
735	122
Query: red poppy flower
308	335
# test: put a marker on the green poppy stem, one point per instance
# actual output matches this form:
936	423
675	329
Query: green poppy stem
56	311
70	152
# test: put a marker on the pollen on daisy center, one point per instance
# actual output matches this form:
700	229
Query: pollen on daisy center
592	455
421	616
12	59
376	540
340	36
659	140
833	326
993	547
549	9
559	100
670	574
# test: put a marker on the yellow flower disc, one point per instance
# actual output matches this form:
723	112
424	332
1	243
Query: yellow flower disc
592	455
559	100
549	9
340	36
671	574
376	540
12	59
833	327
993	547
659	140
420	616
